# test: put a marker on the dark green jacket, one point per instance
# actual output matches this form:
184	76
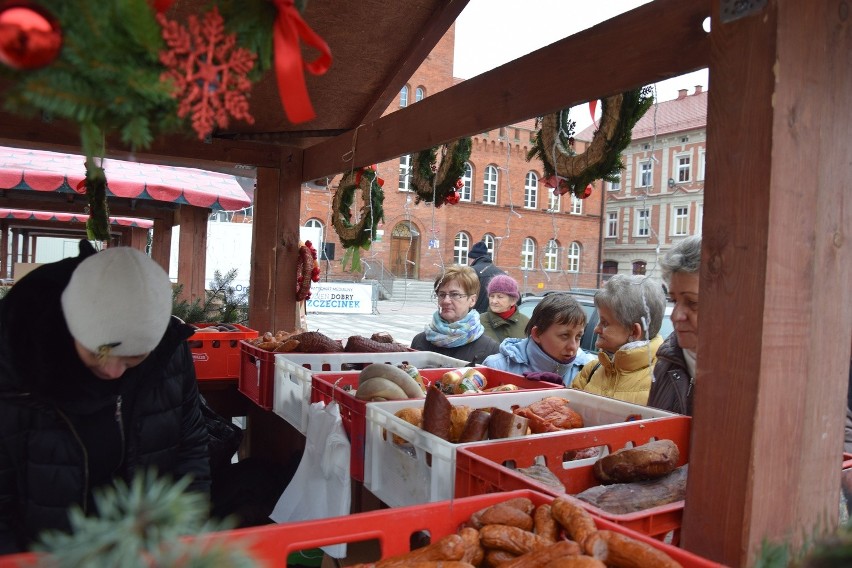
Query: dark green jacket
499	329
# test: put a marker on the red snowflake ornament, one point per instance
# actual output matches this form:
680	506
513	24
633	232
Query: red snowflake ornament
208	71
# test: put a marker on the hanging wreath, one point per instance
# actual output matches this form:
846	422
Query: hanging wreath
357	236
307	271
440	184
564	169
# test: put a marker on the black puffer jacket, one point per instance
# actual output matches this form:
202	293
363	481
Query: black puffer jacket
474	353
486	270
672	388
64	432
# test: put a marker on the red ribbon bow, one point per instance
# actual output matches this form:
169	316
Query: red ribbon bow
289	29
361	171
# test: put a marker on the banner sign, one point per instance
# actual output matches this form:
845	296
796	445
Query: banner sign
340	298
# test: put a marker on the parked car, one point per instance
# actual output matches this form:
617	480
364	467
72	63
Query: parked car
586	299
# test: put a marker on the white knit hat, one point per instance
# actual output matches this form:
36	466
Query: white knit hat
118	299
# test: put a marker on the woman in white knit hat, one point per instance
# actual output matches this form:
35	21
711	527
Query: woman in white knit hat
96	383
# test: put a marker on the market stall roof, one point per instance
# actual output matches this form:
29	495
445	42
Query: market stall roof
27	215
37	170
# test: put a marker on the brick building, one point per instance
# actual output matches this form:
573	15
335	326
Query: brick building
660	196
546	243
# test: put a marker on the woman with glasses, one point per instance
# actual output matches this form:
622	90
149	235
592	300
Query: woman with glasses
455	329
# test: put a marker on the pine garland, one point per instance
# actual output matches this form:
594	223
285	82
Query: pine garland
354	237
602	159
97	226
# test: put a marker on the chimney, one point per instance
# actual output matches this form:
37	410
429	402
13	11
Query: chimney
699	89
681	94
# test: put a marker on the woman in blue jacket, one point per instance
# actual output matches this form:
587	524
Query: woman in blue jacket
552	346
96	383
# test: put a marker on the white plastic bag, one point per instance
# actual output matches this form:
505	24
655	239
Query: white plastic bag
321	486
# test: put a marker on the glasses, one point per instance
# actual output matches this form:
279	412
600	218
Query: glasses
454	296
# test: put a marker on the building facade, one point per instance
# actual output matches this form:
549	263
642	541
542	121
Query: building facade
544	242
659	198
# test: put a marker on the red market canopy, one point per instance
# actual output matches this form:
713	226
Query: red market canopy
25	215
36	170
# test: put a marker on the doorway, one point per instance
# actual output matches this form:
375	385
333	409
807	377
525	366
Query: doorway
405	251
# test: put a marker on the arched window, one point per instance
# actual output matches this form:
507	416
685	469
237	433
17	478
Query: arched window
404	171
467	180
531	191
403	96
489	241
460	248
419	93
316	223
554	202
639	267
574	257
551	255
489	188
528	254
576	205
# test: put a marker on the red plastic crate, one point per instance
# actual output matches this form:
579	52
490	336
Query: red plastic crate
480	469
257	369
216	355
328	386
270	545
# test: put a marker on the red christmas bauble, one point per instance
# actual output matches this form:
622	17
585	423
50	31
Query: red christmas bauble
30	37
587	192
459	183
161	5
453	198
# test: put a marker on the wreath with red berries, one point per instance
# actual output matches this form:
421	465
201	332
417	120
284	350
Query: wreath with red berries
569	171
307	271
440	184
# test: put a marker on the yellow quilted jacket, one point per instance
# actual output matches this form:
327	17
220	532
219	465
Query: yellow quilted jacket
626	376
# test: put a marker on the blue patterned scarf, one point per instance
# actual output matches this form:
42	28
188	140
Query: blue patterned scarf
444	334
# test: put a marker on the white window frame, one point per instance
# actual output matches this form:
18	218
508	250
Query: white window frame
680	220
646	173
461	246
551	255
316	223
573	257
528	254
466	191
576	205
490	182
643	222
531	191
554	202
489	241
612	224
699	219
419	94
405	172
403	96
615	185
702	164
683	171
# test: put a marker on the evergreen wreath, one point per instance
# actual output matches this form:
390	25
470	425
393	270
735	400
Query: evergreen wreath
354	237
553	142
438	184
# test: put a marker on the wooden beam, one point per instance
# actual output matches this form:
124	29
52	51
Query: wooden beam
275	245
776	264
422	45
560	75
192	252
4	249
162	245
174	150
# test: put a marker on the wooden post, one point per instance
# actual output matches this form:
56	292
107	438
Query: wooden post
162	244
192	255
272	299
776	265
4	247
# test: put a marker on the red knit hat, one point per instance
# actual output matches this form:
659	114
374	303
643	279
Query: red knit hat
504	284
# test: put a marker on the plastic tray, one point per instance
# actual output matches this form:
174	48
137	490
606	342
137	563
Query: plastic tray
400	475
216	355
490	468
270	545
292	377
328	386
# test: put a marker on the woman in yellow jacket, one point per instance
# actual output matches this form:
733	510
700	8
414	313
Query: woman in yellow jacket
631	311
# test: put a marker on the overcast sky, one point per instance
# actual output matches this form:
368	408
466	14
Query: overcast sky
490	33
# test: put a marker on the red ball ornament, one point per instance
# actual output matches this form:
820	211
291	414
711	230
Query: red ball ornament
459	183
587	192
453	198
30	37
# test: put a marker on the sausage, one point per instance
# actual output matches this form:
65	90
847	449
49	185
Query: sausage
545	524
511	539
545	557
521	503
621	551
450	547
576	521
